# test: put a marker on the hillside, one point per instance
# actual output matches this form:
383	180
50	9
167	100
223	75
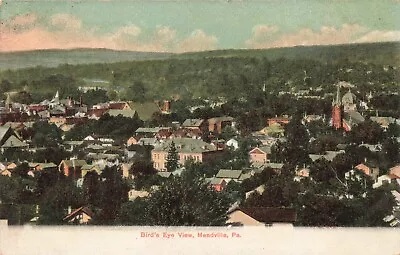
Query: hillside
379	53
53	58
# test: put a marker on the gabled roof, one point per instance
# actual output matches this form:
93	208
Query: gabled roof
226	173
13	142
215	181
164	174
74	162
270	214
245	176
145	110
261	150
274	165
220	119
123	113
83	209
192	122
4	130
186	145
151	130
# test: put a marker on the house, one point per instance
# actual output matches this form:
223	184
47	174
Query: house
302	173
132	140
217	124
229	175
165	174
233	143
217	184
6	172
197	124
151	132
395	170
282	120
72	167
386	179
82	215
261	216
10	139
122	113
126	167
259	190
329	155
133	194
259	155
90	168
367	169
119	106
187	148
275	130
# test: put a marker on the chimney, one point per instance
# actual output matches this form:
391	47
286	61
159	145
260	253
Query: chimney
37	209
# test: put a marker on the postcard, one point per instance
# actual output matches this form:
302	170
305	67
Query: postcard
199	127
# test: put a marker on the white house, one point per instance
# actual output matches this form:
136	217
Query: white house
233	143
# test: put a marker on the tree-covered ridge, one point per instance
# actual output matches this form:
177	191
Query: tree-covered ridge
380	53
228	77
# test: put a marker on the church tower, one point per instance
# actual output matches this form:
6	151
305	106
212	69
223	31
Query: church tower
8	103
337	111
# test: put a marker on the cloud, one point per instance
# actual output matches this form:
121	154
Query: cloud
65	21
376	35
65	31
265	36
197	41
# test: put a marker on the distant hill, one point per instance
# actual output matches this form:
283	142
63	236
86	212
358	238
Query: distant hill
387	53
380	53
53	58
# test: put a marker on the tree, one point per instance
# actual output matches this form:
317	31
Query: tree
46	135
366	132
172	158
91	188
113	193
21	170
56	200
184	201
133	212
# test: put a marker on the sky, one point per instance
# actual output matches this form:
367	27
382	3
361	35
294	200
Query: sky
194	25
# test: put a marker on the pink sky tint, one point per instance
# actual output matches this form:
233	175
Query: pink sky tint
265	36
197	41
65	31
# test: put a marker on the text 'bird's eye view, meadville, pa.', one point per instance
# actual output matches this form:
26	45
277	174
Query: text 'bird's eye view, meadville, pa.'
200	126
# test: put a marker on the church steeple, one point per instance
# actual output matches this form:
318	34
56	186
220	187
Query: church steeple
337	110
337	102
8	103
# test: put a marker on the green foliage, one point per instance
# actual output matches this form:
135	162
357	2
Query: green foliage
366	132
172	158
21	170
92	97
185	201
133	213
279	191
258	179
113	193
91	188
56	200
120	128
45	134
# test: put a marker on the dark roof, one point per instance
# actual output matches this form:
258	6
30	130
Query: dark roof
270	214
83	209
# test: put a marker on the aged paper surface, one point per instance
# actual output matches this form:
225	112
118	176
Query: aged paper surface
191	26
